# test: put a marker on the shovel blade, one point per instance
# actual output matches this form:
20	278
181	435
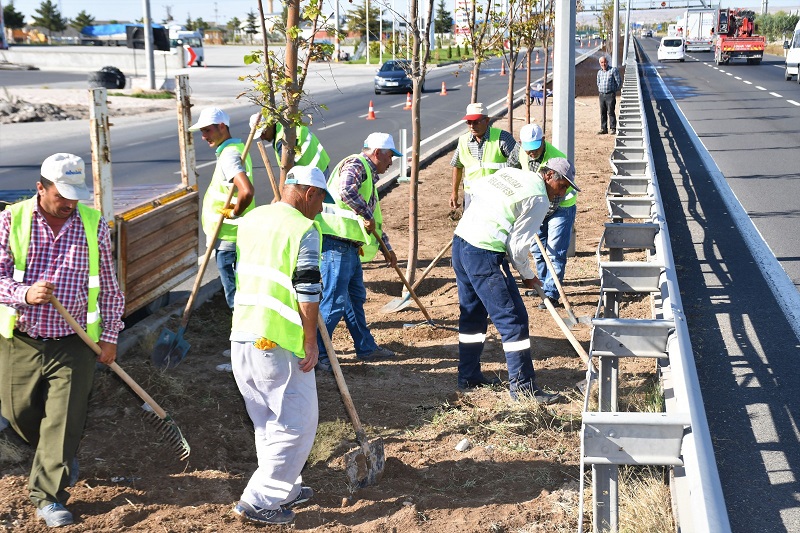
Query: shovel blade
364	466
398	304
170	349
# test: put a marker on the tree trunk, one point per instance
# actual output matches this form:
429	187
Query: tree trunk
289	131
413	186
528	87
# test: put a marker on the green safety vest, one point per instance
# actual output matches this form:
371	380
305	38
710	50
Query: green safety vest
340	220
488	228
311	153
217	193
550	151
266	301
19	241
493	158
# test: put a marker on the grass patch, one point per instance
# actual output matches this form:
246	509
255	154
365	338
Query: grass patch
10	453
332	438
148	95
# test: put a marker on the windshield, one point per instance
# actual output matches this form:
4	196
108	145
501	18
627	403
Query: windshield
194	42
796	40
672	42
393	66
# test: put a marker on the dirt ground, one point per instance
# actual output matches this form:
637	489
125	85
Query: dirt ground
521	472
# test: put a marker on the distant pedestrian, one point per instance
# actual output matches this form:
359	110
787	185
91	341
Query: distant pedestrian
608	83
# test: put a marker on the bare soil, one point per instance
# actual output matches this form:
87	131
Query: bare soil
521	472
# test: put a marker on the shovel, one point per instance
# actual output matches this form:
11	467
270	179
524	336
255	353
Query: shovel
171	348
403	279
363	466
398	304
167	425
572	320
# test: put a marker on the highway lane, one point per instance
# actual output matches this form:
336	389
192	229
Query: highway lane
734	137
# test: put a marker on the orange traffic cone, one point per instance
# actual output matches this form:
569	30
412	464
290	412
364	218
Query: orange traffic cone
444	90
537	57
408	101
371	114
502	68
471	79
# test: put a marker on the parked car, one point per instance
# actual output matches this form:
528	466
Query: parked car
395	76
671	48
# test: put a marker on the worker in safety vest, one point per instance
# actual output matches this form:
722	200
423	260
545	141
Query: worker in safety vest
50	245
347	240
274	334
308	150
214	124
481	151
513	204
556	230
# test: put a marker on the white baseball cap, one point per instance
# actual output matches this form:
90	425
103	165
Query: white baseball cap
261	125
309	175
383	141
531	136
209	116
475	111
68	174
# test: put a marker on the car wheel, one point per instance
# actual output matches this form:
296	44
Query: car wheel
682	60
377	91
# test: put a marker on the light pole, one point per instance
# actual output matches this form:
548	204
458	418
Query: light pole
380	39
366	18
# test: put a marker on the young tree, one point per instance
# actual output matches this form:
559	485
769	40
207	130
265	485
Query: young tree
81	21
189	22
444	20
201	25
12	18
49	17
356	19
481	37
250	25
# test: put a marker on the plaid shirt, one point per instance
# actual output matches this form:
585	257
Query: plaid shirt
351	176
506	141
62	260
608	80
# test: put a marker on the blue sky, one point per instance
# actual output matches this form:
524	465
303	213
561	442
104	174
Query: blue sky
223	10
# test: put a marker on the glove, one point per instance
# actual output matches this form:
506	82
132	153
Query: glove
227	212
264	344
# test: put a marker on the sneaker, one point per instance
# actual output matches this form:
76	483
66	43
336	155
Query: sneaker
74	472
324	365
305	494
546	398
602	132
55	515
225	367
257	515
468	384
552	301
226	353
379	353
613	131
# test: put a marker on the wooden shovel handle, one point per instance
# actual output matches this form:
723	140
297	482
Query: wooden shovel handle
113	366
341	383
564	328
552	269
275	190
403	278
433	264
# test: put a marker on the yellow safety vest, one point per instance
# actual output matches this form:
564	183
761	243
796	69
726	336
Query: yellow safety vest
217	193
311	153
492	161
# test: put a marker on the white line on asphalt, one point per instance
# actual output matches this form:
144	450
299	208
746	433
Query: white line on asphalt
729	74
135	144
482	78
330	126
738	78
776	95
457	86
748	82
167	137
200	166
793	102
760	88
398	105
719	69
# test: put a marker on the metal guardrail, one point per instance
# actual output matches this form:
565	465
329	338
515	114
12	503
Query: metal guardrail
678	438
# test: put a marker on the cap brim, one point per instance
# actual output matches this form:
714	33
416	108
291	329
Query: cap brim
328	198
197	125
72	192
531	145
396	153
473	117
572	183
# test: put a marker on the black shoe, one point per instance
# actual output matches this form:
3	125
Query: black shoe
324	365
602	132
552	301
379	353
540	396
469	384
613	131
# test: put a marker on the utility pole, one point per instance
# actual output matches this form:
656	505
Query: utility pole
148	46
215	13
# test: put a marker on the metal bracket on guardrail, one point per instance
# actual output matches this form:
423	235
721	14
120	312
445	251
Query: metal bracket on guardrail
633	438
630	207
628	186
632	236
630	276
626	337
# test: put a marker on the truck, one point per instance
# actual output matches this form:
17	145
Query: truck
180	36
699	30
736	37
130	35
792	48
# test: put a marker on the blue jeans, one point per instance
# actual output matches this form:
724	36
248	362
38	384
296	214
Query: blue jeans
555	234
226	263
486	289
344	295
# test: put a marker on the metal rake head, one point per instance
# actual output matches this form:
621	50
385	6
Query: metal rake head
170	432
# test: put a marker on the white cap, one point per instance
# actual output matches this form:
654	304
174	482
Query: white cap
381	140
475	111
531	137
302	175
68	174
209	116
261	125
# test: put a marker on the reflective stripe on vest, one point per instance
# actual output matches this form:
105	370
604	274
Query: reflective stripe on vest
310	151
19	243
340	220
217	193
550	151
488	228
491	161
265	304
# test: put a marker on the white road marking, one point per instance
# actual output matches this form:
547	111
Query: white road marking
776	95
330	126
760	88
748	82
793	102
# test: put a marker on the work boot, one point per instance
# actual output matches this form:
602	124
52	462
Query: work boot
470	384
379	353
530	390
602	132
553	301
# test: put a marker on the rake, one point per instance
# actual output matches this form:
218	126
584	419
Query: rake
169	429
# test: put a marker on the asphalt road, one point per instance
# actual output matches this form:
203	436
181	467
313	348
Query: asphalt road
745	347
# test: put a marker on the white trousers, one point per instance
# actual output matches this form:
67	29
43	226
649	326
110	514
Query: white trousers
281	400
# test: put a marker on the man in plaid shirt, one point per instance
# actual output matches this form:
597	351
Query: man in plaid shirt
608	83
52	246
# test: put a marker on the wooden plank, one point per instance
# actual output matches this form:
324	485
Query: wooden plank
161	256
155	279
151	222
145	298
177	230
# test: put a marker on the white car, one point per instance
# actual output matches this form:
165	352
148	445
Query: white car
671	48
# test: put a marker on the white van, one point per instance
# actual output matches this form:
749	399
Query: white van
793	55
181	37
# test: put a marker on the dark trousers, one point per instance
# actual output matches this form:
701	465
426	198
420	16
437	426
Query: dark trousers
486	289
608	115
44	394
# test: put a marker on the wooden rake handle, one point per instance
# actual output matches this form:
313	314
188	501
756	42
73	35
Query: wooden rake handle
385	251
433	264
552	269
113	366
565	329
